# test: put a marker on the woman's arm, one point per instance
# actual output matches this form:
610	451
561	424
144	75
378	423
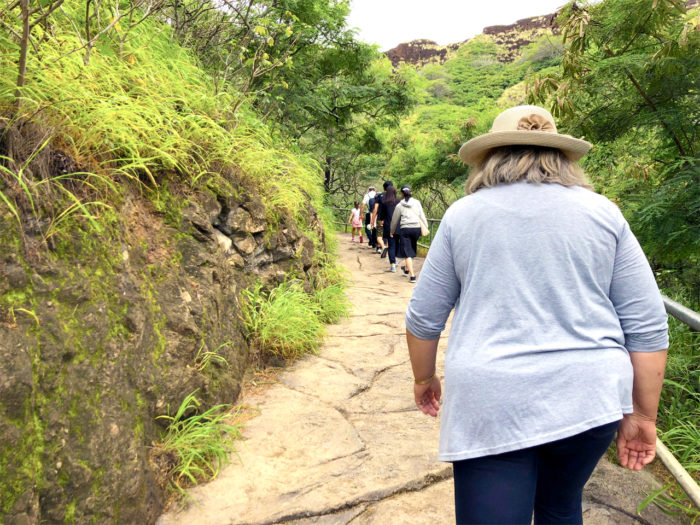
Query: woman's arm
649	370
636	437
426	389
644	322
432	301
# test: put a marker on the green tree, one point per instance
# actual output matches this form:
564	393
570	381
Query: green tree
630	81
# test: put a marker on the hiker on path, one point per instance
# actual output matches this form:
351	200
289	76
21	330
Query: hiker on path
385	213
559	335
355	221
377	220
367	206
406	219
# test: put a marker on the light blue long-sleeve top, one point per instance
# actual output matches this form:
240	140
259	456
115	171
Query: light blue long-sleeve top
551	290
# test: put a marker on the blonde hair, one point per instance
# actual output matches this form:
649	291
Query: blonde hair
530	163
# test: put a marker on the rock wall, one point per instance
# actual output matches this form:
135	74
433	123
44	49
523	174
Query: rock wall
99	339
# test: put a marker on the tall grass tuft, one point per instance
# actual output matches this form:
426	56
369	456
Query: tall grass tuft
283	322
332	303
200	444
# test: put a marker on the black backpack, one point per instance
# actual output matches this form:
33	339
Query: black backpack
370	208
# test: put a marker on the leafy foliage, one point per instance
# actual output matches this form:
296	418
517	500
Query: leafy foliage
298	63
630	81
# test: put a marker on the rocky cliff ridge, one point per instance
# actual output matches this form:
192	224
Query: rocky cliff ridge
512	37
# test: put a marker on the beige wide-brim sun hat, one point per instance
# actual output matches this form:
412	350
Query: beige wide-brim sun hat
522	126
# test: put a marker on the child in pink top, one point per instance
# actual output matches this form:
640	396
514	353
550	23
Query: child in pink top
356	221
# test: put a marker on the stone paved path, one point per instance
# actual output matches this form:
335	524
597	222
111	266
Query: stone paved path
338	439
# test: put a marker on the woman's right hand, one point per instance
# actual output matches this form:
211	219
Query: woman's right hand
636	441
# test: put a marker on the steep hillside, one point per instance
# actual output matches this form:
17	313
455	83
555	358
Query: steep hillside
137	202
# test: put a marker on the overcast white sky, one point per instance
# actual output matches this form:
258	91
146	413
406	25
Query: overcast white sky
390	22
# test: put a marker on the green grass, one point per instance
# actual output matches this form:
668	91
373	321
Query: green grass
284	322
332	303
200	443
144	115
205	358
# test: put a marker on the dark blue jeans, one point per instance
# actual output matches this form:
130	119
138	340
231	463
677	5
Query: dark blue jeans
549	479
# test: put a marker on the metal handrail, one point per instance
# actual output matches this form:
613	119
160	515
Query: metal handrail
683	314
684	479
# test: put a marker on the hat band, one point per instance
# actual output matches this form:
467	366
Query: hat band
535	122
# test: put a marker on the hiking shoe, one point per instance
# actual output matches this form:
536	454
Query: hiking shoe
384	252
412	279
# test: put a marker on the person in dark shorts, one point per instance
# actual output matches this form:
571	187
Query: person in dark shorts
406	220
385	214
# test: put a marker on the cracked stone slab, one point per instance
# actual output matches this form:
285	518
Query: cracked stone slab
619	491
431	505
404	444
366	356
282	474
338	384
343	517
391	391
290	450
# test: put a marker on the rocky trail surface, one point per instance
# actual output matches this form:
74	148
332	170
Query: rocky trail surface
338	440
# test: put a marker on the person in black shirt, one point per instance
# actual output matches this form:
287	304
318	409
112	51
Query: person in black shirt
377	220
385	213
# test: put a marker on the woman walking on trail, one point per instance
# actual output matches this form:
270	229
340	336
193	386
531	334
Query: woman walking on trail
559	333
356	221
386	213
407	219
